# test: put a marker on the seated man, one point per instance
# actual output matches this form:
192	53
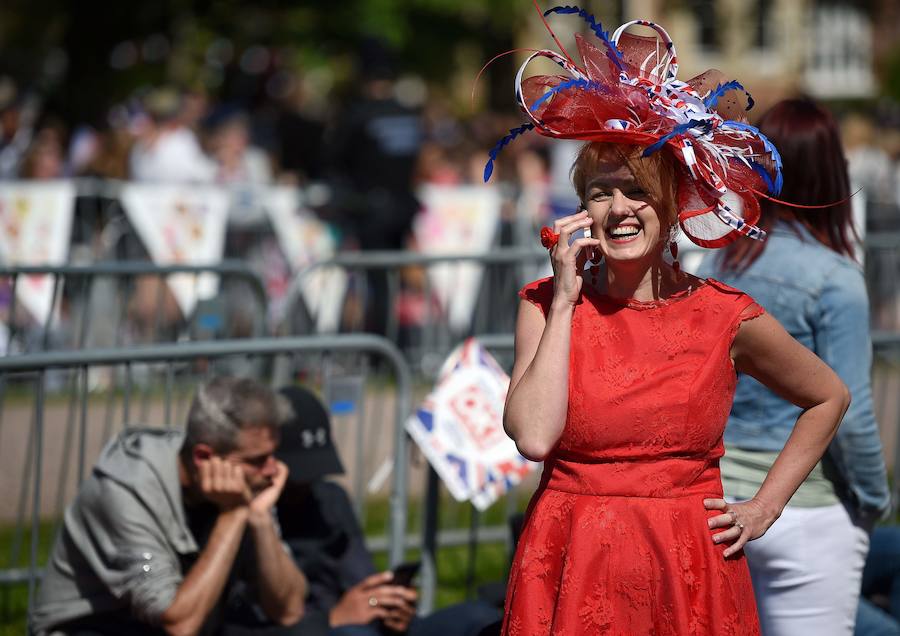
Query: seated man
347	596
171	525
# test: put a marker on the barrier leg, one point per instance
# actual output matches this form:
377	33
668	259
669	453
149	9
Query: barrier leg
429	542
473	552
36	497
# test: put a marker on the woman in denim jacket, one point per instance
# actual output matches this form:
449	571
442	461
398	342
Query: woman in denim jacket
806	570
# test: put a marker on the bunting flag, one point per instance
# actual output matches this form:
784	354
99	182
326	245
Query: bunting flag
305	240
459	428
35	229
457	219
181	224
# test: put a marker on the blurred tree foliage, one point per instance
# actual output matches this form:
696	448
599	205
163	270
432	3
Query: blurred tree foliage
66	49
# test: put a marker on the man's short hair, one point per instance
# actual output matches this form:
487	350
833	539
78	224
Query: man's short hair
223	407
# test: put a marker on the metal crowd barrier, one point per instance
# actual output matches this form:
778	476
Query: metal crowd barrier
394	293
171	372
388	283
886	380
886	401
102	302
502	346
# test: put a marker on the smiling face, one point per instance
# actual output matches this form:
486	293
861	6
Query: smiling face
631	215
624	218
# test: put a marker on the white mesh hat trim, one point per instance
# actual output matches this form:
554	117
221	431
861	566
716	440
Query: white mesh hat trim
709	227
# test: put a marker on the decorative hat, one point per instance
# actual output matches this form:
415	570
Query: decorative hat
624	90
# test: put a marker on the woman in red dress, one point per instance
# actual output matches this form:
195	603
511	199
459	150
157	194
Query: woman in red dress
625	371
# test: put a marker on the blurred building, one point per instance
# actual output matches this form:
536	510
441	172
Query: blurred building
778	47
825	48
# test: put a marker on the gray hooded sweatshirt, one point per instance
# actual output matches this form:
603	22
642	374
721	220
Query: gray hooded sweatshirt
120	547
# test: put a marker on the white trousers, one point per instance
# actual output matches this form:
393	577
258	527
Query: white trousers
807	571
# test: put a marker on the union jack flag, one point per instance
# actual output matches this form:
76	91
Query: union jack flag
459	428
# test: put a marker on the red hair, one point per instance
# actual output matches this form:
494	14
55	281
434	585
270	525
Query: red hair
815	173
655	174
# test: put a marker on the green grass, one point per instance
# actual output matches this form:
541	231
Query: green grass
14	599
491	564
491	560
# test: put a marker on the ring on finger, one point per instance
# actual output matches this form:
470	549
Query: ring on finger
734	520
373	602
549	238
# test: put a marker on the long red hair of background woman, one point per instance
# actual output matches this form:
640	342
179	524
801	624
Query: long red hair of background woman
815	174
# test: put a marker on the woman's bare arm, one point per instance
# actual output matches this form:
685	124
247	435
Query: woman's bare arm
538	397
765	351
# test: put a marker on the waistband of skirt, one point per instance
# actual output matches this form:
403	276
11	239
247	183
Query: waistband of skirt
664	477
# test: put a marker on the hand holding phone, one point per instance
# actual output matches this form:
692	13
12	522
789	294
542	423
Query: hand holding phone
405	573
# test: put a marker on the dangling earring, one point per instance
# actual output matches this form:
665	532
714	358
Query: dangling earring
595	259
673	250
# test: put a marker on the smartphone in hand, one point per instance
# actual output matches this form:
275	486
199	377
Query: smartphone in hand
405	573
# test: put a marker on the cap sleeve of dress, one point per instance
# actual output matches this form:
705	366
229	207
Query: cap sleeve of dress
743	307
539	293
749	309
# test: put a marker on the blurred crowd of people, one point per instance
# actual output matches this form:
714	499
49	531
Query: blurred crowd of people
366	157
372	151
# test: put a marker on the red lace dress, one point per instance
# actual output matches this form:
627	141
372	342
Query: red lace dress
616	538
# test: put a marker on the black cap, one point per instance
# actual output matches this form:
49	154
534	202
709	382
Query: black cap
306	445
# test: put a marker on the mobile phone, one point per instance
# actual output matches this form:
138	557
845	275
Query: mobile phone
586	233
405	573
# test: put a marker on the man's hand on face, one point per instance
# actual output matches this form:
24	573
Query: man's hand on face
375	598
222	483
265	499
